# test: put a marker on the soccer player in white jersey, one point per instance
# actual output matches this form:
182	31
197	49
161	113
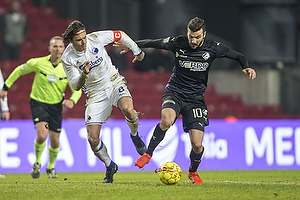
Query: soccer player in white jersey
89	67
4	110
5	114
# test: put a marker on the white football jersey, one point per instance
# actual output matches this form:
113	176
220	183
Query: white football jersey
3	103
102	72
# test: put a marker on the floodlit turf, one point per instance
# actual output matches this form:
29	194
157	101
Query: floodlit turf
141	185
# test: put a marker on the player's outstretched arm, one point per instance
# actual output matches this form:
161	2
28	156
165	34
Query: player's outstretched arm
249	71
124	48
139	57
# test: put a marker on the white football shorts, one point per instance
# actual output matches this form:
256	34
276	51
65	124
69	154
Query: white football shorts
99	112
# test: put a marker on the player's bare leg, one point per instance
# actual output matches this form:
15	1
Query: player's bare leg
100	151
126	106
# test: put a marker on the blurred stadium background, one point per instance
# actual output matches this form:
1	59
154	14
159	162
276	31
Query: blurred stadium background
266	31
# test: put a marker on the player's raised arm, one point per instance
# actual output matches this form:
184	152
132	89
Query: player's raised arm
129	43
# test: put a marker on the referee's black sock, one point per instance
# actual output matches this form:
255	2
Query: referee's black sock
157	137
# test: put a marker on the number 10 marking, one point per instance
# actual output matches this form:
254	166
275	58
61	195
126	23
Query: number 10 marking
197	112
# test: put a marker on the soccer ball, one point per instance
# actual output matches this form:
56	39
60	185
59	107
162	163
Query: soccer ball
169	173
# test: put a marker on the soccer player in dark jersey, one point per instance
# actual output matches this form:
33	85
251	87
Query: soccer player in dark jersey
47	100
184	93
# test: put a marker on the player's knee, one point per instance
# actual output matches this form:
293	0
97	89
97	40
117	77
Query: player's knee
54	143
41	138
197	146
129	113
165	124
93	142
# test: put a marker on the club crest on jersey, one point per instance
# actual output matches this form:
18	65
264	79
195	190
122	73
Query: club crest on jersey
166	40
95	50
206	56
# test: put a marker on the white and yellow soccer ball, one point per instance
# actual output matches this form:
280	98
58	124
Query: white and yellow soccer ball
169	173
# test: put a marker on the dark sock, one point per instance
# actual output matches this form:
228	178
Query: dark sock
136	140
111	165
195	160
158	136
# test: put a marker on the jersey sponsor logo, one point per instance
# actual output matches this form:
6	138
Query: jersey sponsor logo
93	64
179	55
96	63
194	66
117	36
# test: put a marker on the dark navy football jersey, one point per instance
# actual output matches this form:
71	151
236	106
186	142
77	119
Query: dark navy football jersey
190	73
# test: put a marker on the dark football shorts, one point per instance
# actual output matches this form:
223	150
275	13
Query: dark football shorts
50	113
194	112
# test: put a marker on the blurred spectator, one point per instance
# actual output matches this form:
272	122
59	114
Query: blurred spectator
148	63
164	60
14	29
158	60
229	116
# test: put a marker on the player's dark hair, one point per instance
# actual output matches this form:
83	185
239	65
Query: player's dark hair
196	24
72	30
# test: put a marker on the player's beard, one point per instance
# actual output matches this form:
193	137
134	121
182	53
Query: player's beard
194	46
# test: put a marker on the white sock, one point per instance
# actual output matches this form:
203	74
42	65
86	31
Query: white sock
102	154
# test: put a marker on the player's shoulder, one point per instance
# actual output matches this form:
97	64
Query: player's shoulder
97	35
210	44
181	38
39	59
67	53
179	41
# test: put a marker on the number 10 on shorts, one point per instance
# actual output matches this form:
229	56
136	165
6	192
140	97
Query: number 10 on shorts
197	112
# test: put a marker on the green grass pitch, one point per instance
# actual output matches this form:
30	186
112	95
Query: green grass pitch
142	185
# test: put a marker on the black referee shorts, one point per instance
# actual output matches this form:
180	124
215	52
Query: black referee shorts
194	111
50	113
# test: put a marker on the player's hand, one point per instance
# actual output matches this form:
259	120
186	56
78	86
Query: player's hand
68	103
251	72
139	58
6	116
3	94
86	67
122	46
